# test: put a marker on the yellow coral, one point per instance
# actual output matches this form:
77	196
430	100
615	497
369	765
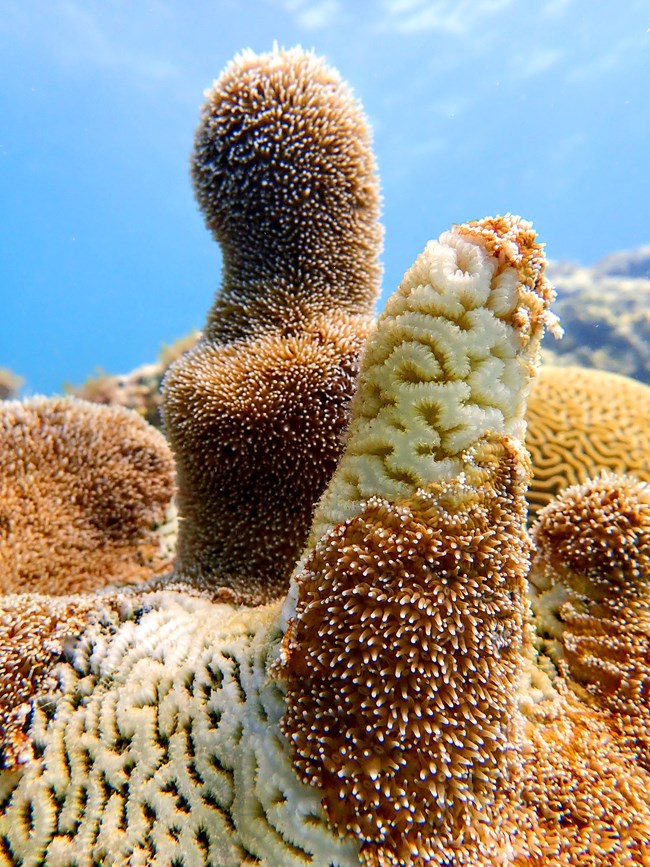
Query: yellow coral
581	422
450	354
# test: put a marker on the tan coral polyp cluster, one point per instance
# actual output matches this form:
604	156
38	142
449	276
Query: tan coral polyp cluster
264	435
405	650
408	644
83	491
284	173
593	544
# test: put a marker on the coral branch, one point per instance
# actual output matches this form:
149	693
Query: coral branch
405	653
285	175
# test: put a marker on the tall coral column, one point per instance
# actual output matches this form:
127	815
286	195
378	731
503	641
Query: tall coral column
407	639
284	174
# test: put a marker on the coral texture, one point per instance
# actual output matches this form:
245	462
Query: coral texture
405	655
393	711
581	422
285	176
405	705
85	496
157	742
591	576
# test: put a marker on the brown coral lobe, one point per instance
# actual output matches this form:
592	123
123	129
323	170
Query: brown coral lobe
83	489
403	662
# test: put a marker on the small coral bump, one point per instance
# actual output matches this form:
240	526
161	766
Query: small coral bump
591	594
85	492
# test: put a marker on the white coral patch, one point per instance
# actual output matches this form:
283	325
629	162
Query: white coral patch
445	366
163	746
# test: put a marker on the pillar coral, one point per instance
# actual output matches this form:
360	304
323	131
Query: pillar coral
405	652
285	176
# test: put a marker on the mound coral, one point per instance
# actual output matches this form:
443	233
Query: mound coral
582	422
591	576
284	173
85	494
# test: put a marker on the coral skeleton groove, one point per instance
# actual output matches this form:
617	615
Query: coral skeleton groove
433	685
582	422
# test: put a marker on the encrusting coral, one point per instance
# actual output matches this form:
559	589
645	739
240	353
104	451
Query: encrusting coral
285	176
85	497
582	422
405	704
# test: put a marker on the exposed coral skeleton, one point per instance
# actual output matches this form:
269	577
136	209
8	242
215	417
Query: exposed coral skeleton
397	707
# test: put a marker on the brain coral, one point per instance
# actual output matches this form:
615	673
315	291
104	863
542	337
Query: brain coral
583	421
284	173
84	492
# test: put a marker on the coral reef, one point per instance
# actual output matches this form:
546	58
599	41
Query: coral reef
605	312
140	388
284	174
85	497
414	699
581	422
10	384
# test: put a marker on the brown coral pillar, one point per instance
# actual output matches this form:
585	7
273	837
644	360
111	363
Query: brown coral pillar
406	636
284	173
409	723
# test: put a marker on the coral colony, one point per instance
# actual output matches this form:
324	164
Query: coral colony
415	680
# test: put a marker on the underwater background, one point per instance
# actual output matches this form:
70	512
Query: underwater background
477	106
